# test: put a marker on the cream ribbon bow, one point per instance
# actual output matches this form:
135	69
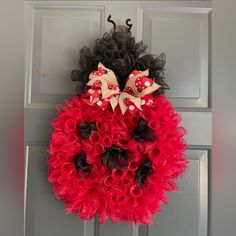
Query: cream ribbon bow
105	83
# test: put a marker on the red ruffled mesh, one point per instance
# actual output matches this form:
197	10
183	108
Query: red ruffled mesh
114	193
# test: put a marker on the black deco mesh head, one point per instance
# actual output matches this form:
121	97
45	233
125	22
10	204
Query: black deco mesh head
119	52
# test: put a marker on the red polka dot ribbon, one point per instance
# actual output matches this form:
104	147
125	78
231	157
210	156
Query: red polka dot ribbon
103	88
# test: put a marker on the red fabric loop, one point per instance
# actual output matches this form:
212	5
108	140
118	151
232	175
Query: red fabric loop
129	175
108	180
133	165
94	137
70	126
135	191
117	174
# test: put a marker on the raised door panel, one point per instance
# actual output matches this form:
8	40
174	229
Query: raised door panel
183	35
186	213
117	229
55	36
45	216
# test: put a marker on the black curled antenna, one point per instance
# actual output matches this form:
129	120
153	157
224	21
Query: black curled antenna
128	24
111	21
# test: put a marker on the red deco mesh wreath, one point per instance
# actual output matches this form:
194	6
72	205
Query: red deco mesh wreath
115	151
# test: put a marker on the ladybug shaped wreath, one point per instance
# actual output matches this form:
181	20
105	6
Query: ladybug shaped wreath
117	146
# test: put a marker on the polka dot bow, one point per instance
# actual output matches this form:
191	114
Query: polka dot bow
103	88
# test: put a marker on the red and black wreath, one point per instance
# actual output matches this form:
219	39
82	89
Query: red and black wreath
117	146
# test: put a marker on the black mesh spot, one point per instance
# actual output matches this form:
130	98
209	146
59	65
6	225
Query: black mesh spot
142	132
115	157
80	163
143	171
85	129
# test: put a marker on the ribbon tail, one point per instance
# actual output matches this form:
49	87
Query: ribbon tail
135	100
150	90
114	102
104	89
123	107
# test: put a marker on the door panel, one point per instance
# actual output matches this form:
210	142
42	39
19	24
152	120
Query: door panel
44	215
57	35
109	228
54	33
182	33
186	213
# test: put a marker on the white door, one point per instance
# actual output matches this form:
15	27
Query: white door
54	33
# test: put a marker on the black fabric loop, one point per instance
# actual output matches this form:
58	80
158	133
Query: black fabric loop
81	164
115	157
143	171
85	129
142	132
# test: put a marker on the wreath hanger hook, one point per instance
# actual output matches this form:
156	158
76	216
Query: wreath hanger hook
111	21
128	24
